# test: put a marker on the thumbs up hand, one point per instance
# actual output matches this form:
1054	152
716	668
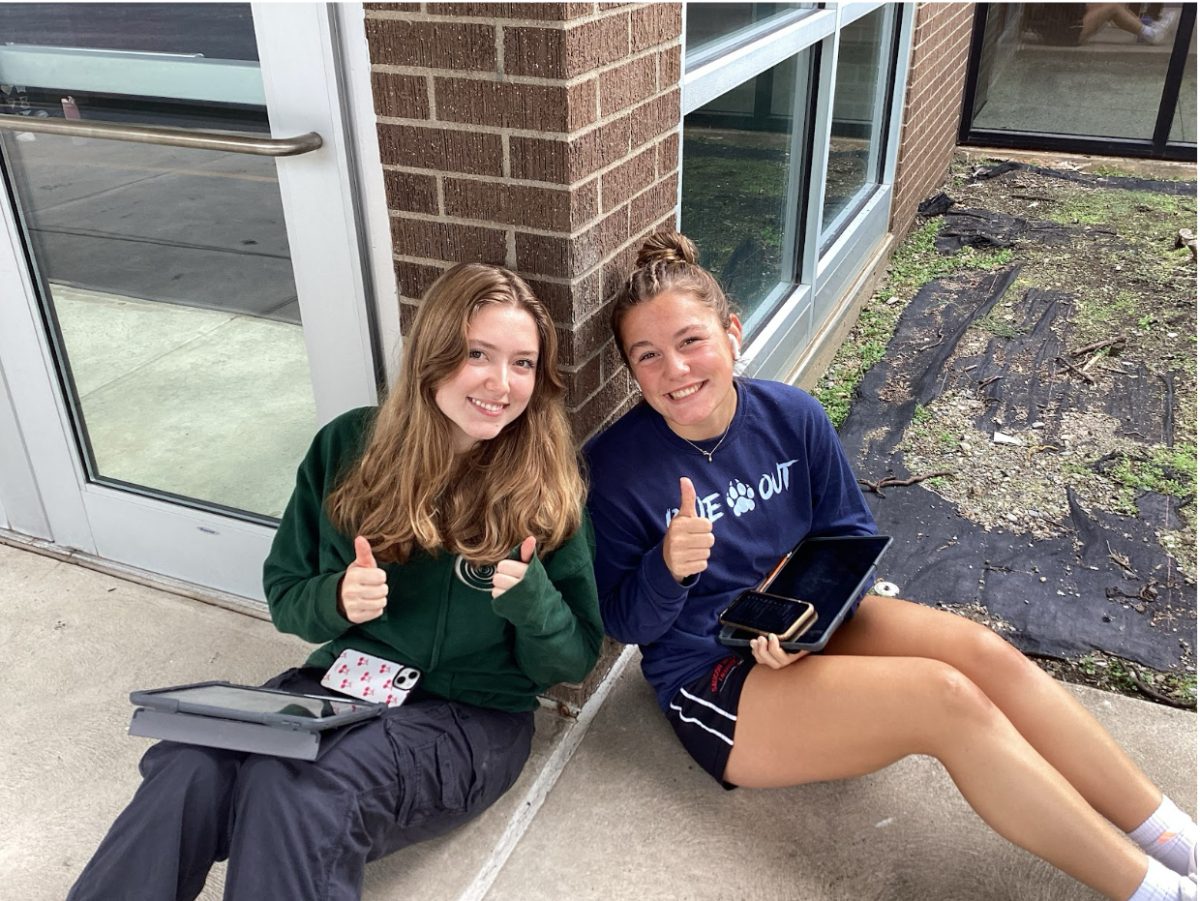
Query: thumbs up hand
689	538
510	572
362	594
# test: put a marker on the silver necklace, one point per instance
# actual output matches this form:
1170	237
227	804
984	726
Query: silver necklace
709	453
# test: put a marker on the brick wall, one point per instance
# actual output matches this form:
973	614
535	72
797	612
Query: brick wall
540	136
933	105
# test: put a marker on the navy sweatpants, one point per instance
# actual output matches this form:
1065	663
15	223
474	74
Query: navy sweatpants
297	829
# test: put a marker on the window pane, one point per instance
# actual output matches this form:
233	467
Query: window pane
710	23
1183	129
164	272
1074	69
856	134
737	160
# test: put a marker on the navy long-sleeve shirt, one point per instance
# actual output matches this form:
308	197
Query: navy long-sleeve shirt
779	475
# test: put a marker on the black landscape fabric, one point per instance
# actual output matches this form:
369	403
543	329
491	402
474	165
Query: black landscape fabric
1103	581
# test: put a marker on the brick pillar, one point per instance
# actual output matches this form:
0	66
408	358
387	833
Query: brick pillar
933	104
540	136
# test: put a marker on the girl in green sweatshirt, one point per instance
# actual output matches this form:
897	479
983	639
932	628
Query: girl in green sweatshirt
443	531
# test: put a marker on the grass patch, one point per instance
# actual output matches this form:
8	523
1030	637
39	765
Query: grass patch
1115	674
1094	207
915	263
1166	470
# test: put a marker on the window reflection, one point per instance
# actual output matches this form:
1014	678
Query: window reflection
709	24
855	151
1078	69
737	161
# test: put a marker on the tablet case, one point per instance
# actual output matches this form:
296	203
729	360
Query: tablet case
233	735
154	699
260	733
739	638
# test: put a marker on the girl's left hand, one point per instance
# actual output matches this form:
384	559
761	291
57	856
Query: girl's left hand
510	572
769	652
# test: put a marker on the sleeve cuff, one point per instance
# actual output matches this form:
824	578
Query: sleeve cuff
527	604
658	579
327	612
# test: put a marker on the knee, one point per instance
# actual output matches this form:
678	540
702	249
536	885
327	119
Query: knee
995	660
263	776
188	766
955	701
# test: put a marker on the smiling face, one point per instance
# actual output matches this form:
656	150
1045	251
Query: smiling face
683	360
493	385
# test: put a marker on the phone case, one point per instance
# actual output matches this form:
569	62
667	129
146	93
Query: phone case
371	678
803	621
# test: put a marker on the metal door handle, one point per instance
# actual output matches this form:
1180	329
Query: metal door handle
230	142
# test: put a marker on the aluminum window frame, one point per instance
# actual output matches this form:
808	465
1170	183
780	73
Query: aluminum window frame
1158	146
783	331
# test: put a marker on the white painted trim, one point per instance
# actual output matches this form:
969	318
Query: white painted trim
748	34
45	438
374	220
727	72
822	123
17	482
900	92
852	11
528	807
300	80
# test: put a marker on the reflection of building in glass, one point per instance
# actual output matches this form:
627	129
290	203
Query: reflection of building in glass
1122	77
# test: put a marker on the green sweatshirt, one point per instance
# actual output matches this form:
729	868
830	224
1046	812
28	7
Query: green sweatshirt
440	615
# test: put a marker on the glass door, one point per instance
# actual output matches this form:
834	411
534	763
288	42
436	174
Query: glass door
186	304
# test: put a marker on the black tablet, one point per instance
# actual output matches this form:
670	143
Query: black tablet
267	706
831	573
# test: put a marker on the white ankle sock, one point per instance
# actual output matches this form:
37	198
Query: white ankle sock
1161	884
1168	835
1147	34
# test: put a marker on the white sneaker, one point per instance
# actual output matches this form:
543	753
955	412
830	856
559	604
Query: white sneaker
1158	31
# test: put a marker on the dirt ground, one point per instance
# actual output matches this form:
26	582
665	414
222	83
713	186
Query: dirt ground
1060	411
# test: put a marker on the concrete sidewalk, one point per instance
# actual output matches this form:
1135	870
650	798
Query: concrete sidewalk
627	815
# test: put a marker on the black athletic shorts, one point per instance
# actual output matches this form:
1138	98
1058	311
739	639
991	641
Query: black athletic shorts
704	713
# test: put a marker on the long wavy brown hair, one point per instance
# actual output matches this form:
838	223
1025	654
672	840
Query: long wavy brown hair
409	490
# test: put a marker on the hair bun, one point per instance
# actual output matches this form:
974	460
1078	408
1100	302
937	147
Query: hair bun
667	247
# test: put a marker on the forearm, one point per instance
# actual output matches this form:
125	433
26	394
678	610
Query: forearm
306	606
642	603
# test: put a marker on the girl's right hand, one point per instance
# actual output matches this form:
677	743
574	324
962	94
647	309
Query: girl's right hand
362	594
689	538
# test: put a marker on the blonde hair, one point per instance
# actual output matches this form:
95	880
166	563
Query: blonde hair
668	261
409	490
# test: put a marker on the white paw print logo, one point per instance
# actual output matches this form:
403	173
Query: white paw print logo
739	498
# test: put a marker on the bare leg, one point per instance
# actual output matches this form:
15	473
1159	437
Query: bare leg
1041	709
1099	13
876	710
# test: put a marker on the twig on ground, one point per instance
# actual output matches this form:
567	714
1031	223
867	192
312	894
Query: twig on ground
931	344
1120	559
1097	345
1152	692
1069	366
876	487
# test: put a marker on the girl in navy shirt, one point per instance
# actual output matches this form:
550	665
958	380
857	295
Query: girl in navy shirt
695	495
